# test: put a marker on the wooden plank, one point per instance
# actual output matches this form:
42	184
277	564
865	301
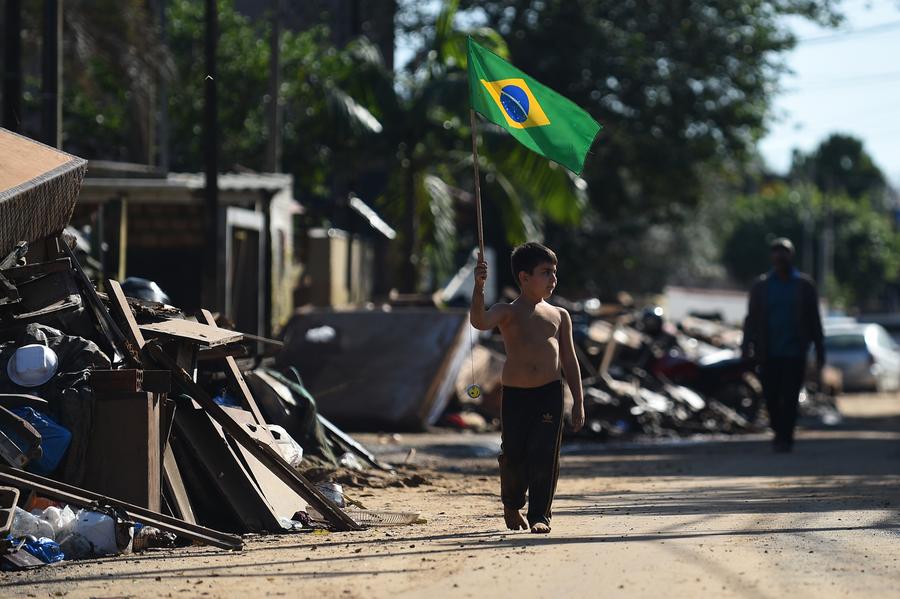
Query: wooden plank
130	380
265	454
84	498
234	376
175	485
283	499
123	455
217	353
237	492
28	271
104	320
188	330
122	311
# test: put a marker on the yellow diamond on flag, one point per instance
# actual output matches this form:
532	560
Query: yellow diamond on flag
517	103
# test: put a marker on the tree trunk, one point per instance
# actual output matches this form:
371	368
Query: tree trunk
410	275
12	71
51	74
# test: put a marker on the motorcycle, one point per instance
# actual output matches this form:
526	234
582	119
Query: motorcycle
723	376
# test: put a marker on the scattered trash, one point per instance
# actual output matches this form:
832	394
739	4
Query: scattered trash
379	518
96	535
80	534
8	499
350	460
45	549
333	491
290	449
55	439
149	537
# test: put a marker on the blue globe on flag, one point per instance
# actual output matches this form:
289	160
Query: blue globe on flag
515	102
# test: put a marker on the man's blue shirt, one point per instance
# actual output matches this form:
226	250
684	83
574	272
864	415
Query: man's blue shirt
783	339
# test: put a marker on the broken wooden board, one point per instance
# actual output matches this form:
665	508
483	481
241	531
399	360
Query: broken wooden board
283	499
121	311
221	487
268	456
188	330
233	374
173	485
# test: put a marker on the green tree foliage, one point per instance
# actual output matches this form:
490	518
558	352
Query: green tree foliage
867	249
323	124
840	165
681	88
112	61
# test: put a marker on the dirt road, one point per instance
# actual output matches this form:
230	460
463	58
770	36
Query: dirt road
717	518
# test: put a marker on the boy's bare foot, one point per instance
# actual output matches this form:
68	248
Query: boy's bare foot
514	519
539	528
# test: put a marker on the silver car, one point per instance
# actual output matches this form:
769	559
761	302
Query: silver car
867	357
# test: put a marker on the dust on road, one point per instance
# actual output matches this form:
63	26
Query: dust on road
726	518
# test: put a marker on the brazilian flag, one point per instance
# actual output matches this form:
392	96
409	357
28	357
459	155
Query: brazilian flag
541	119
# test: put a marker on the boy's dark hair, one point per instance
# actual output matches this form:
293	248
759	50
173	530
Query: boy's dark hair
527	256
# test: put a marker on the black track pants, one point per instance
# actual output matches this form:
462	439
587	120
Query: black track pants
529	455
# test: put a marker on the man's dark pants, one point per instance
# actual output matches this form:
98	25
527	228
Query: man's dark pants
529	459
782	379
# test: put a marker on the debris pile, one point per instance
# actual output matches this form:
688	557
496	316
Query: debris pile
125	424
643	375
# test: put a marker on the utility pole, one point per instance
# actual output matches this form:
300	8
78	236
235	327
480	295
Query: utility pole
211	161
274	116
163	96
12	61
51	74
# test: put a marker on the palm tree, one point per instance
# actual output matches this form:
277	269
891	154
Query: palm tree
425	148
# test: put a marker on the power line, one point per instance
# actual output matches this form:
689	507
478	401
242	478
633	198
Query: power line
851	33
888	77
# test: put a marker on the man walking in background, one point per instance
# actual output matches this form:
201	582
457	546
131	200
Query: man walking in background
782	320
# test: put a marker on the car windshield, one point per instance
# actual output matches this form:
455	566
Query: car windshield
845	341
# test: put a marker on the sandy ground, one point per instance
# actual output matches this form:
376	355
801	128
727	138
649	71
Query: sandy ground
724	518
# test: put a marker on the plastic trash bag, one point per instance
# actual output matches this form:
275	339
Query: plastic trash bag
45	549
26	524
92	535
290	450
351	461
60	519
55	440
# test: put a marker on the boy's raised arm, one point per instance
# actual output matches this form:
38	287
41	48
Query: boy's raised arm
481	319
571	369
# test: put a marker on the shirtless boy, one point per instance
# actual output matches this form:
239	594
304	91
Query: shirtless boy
539	347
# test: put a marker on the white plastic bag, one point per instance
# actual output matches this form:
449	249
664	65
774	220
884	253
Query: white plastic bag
290	450
349	460
25	524
61	520
92	535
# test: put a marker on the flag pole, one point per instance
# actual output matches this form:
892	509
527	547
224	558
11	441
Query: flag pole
477	185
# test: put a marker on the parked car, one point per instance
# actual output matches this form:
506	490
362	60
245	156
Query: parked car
866	355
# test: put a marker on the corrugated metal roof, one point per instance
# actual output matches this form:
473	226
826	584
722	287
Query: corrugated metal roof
235	181
184	187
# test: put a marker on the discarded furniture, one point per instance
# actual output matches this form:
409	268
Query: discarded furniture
38	189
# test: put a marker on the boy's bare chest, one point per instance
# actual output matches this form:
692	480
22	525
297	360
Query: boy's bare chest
533	326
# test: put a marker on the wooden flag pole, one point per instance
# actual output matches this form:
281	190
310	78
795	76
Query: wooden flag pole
477	186
474	390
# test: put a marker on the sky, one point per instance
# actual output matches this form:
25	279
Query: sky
845	80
